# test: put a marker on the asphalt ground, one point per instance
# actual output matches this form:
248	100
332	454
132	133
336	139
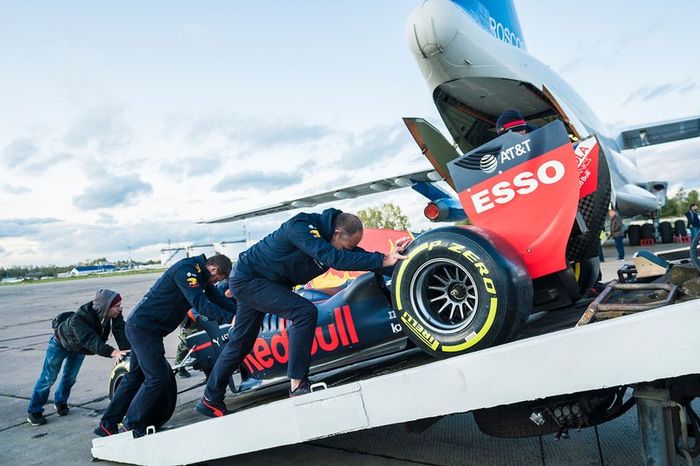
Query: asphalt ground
26	312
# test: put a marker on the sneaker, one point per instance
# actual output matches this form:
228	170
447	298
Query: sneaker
104	430
303	388
211	408
136	433
36	419
183	373
62	409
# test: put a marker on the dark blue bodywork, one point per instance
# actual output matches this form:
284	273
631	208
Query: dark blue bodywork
355	323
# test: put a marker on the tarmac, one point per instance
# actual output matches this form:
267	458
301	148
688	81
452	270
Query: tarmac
26	312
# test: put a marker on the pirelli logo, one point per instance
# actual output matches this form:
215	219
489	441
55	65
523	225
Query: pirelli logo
413	325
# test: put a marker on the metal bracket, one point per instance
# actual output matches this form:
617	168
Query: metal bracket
599	310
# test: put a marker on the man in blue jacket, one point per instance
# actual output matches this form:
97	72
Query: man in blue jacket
187	284
304	247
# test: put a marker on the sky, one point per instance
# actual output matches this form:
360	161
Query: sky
122	124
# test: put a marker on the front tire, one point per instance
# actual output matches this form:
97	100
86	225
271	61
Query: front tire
163	410
461	290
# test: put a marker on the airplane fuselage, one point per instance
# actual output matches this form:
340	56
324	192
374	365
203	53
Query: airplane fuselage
473	57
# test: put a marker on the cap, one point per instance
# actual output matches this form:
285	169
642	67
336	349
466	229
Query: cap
510	120
117	299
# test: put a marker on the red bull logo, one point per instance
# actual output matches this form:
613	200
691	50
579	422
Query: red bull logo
340	332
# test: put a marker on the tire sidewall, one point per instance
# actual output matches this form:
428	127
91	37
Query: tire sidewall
491	280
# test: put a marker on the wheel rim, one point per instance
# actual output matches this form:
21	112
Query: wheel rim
444	294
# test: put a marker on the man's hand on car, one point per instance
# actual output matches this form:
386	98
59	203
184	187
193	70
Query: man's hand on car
119	354
395	255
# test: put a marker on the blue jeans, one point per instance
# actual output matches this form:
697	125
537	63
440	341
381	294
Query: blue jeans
55	354
693	232
620	247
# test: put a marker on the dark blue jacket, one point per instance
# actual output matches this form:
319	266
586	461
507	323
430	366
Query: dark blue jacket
182	287
300	250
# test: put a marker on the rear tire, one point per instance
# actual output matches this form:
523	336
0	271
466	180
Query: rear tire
461	290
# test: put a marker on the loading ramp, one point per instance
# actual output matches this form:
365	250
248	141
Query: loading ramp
648	346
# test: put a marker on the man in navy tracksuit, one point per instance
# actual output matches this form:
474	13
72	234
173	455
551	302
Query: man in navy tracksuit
304	247
187	284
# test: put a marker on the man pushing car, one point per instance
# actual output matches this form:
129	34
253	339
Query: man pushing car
187	284
304	247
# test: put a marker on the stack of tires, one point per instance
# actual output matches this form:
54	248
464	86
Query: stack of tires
666	232
680	228
634	233
647	231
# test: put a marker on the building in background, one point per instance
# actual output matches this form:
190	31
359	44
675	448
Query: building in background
88	269
168	256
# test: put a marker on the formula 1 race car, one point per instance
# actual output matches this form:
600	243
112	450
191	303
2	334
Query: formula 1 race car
355	323
536	206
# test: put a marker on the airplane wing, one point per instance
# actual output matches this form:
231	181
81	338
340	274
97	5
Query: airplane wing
659	133
371	187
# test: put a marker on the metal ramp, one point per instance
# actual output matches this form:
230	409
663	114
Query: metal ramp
652	345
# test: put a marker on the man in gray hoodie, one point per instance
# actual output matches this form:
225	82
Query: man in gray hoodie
84	332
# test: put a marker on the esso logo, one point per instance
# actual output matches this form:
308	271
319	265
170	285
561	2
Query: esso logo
523	183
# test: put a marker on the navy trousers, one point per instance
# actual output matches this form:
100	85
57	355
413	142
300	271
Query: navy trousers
142	388
256	297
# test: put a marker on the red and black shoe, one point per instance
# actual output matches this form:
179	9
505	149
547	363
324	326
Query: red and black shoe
211	408
105	430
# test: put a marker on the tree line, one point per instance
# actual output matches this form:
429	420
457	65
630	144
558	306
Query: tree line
678	205
35	272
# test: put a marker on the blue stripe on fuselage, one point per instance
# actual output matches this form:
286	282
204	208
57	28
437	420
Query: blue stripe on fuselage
497	17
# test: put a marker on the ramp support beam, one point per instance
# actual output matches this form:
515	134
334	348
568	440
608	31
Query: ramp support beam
655	426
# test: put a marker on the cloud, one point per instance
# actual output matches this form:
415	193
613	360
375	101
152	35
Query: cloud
111	191
11	189
44	163
257	180
255	132
24	154
18	227
675	162
19	152
194	165
285	133
107	219
374	146
646	93
103	126
69	243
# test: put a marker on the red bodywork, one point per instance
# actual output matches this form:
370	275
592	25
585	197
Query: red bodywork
526	189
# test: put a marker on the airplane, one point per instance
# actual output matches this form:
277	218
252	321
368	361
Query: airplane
474	58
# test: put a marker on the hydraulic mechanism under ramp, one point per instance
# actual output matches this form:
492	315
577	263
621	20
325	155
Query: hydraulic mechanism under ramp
648	346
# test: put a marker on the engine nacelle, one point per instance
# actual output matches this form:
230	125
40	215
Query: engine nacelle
444	210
